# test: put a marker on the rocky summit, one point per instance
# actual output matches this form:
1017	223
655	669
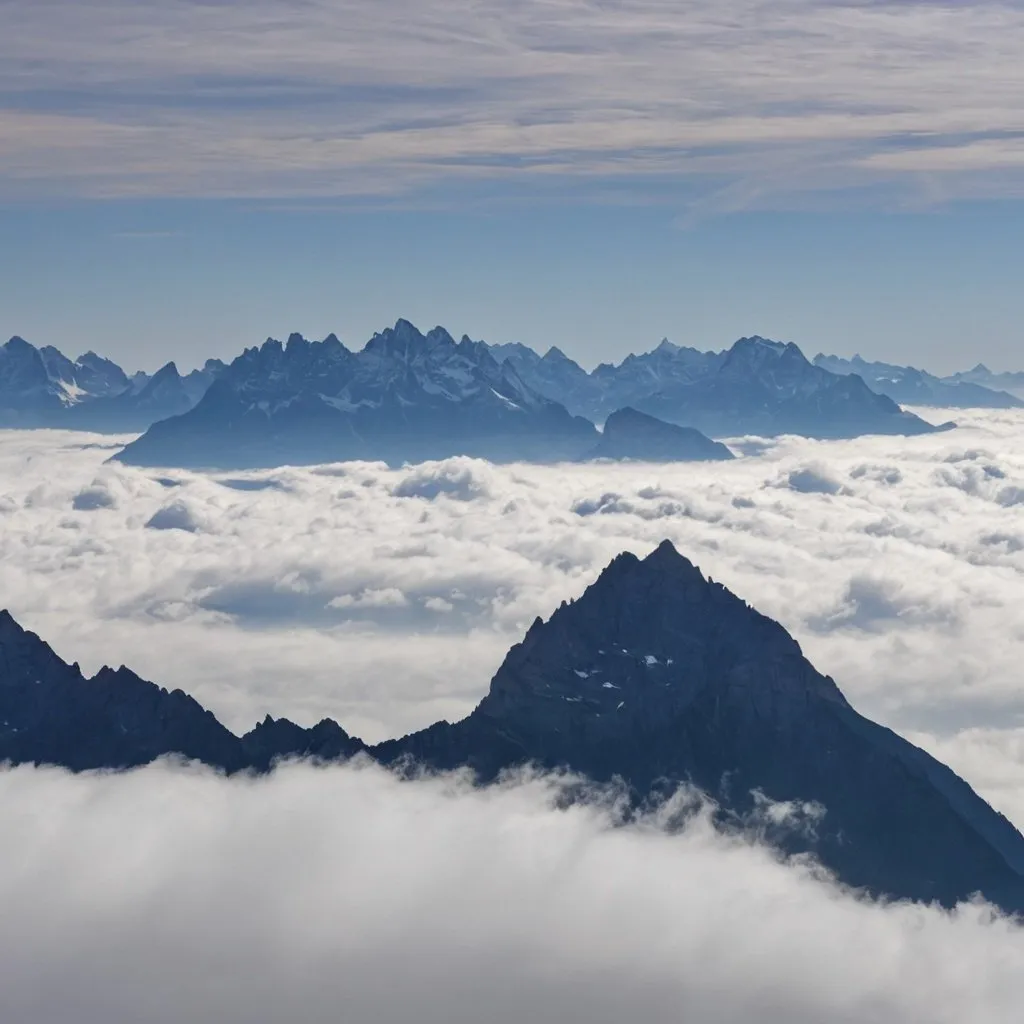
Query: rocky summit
656	676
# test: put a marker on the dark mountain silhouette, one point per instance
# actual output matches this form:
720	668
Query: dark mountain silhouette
658	675
629	434
51	714
655	676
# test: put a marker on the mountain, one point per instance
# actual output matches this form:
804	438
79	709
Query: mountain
658	675
554	375
756	387
51	714
655	676
629	434
404	397
408	397
43	388
146	400
983	376
637	377
609	387
909	386
89	376
767	387
29	396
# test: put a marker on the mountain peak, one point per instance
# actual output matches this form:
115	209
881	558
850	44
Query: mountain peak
396	340
9	625
648	638
555	355
667	554
664	568
439	336
169	371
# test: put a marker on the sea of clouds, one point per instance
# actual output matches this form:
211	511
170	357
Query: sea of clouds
386	599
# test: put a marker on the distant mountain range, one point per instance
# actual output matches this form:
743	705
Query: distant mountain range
909	386
408	396
756	387
984	377
656	676
41	387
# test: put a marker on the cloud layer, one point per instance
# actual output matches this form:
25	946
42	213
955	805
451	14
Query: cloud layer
743	100
387	598
171	895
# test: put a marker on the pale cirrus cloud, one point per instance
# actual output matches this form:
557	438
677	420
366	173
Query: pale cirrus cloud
320	98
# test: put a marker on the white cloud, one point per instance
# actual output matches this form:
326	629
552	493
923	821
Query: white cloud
175	515
316	98
812	480
329	594
389	597
173	895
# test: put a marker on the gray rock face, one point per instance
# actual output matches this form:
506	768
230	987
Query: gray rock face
405	397
910	386
655	676
629	434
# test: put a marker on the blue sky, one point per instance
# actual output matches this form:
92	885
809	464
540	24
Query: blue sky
182	179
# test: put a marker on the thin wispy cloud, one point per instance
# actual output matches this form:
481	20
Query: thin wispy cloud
734	98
